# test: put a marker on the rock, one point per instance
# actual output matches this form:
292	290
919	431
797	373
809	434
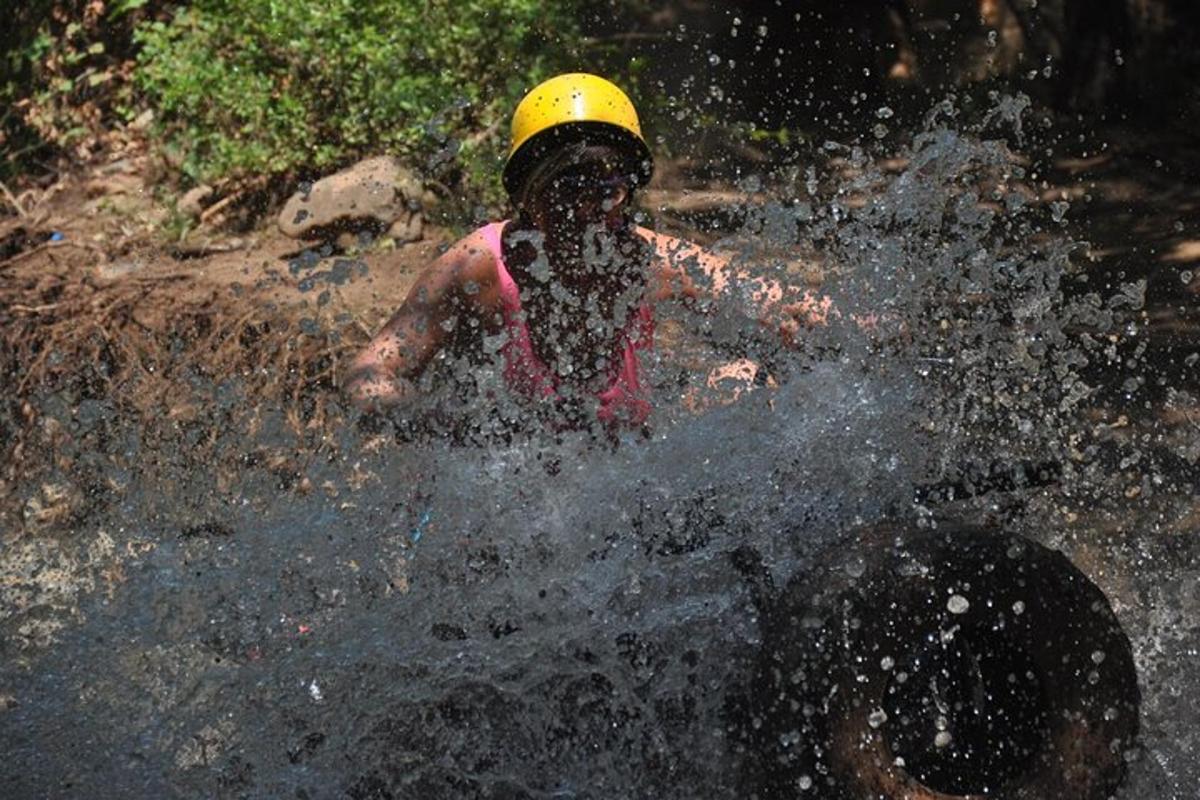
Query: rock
115	270
53	506
408	230
207	246
122	166
120	183
143	120
192	202
374	193
347	241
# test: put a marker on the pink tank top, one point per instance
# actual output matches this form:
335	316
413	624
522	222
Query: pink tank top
623	402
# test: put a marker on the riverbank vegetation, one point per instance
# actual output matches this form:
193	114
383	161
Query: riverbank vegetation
254	90
243	93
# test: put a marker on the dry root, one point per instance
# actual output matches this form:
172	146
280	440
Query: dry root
162	353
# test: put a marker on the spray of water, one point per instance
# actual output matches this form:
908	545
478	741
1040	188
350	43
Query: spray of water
539	613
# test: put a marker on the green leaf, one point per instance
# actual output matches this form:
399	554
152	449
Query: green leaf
274	86
123	7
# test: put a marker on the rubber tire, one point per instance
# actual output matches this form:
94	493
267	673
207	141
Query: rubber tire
822	671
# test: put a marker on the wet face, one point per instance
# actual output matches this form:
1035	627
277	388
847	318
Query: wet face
586	268
580	201
581	213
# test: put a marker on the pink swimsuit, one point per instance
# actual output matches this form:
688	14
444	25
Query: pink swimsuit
624	401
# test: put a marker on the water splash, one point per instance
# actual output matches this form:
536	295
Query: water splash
552	615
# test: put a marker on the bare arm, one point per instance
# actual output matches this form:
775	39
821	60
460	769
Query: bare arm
680	261
381	373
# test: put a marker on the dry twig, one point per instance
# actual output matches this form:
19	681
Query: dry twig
14	201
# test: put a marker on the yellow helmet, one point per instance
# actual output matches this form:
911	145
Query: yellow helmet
566	108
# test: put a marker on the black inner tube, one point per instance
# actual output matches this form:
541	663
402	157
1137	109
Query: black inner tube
956	662
966	713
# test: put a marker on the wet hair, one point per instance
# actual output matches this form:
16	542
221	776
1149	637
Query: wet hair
578	156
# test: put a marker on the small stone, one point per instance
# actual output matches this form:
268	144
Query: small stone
119	183
53	506
192	202
114	270
143	120
408	230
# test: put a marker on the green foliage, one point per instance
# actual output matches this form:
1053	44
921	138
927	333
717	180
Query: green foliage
248	88
64	67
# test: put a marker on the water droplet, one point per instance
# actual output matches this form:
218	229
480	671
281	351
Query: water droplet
886	663
943	739
804	782
884	112
1186	276
957	604
877	718
1019	607
714	59
1097	657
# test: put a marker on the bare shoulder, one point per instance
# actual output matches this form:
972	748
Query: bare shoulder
466	271
470	259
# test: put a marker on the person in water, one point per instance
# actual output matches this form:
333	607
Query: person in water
570	282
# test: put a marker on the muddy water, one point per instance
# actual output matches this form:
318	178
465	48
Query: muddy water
558	615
